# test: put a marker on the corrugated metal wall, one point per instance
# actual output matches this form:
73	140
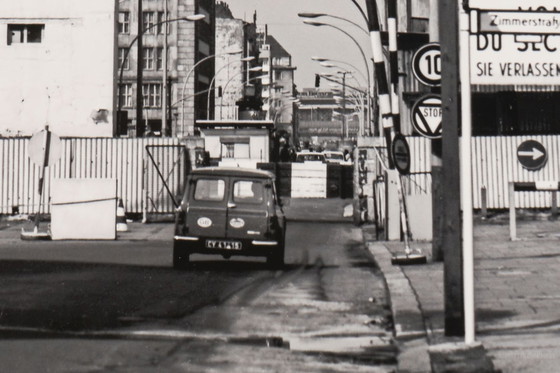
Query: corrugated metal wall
122	159
494	165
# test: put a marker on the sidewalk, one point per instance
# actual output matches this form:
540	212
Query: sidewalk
517	298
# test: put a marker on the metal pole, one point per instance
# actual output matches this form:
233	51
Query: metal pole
438	206
466	178
164	88
381	77
139	96
344	134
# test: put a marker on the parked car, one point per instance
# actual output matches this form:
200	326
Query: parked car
310	157
333	156
229	211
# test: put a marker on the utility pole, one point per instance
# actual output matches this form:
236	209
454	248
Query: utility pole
450	176
139	125
436	163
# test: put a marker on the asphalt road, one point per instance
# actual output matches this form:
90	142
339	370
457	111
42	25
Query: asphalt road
119	306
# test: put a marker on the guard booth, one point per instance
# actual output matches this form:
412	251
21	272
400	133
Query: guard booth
237	143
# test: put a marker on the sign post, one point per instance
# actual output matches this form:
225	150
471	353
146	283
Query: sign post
44	148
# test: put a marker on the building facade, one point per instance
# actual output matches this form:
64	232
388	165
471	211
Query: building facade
187	46
278	90
237	87
319	117
57	67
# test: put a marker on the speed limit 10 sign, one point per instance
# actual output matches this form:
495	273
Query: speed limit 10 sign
426	65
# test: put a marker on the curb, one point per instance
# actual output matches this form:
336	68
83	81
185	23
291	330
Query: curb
409	328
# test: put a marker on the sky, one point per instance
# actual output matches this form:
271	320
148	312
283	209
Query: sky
304	41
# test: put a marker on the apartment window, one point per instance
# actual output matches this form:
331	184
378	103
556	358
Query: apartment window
149	21
123	64
23	34
148	58
125	95
124	22
161	25
159	59
151	93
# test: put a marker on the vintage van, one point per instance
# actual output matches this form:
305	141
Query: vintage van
229	211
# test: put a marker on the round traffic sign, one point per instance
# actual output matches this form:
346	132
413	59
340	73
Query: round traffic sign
427	116
44	143
532	155
426	65
400	152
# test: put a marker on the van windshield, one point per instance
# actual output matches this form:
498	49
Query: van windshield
248	191
209	190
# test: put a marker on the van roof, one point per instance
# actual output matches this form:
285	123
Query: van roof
233	171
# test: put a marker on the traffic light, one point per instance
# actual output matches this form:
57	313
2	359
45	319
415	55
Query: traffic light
317	80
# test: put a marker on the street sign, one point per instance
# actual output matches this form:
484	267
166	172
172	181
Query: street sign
540	5
532	155
426	65
511	59
427	116
517	22
401	154
41	142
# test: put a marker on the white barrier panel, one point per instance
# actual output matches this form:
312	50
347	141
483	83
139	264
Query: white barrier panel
309	180
83	209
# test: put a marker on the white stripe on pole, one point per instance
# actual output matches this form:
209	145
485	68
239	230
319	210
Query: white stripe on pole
466	178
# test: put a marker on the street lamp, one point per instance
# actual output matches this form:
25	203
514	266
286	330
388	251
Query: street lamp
317	15
193	17
370	87
236	51
319	24
244	59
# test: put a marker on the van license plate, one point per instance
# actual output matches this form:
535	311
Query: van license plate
225	245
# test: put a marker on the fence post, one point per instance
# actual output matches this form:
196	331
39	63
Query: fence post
144	188
512	227
554	205
483	202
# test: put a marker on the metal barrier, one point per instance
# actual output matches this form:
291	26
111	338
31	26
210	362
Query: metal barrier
534	186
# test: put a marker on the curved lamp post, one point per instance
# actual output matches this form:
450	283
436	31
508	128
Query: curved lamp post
237	51
191	18
244	59
318	24
317	15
